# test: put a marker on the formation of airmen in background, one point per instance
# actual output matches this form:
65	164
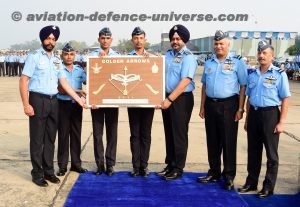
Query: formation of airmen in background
12	63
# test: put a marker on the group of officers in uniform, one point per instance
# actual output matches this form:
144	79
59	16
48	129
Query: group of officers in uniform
12	63
52	96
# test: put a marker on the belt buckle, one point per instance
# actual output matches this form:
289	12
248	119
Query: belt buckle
255	108
215	99
51	96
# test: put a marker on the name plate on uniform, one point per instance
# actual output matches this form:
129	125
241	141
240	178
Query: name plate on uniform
125	81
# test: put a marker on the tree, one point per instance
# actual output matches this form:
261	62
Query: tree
292	50
28	45
36	44
125	46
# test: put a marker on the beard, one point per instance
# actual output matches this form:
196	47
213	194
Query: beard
48	47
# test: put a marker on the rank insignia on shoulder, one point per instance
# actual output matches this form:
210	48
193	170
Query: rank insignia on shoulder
237	57
208	57
250	70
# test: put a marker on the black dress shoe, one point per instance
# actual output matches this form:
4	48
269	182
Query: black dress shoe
164	171
135	172
61	172
144	172
40	182
78	170
229	185
208	179
264	193
52	178
246	188
173	175
100	170
110	170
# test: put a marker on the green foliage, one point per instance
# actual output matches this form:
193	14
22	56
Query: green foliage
125	46
31	45
292	50
36	44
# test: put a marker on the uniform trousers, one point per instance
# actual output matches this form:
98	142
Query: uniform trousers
42	130
260	131
69	134
140	122
11	69
109	116
6	68
2	69
176	124
15	68
221	135
21	66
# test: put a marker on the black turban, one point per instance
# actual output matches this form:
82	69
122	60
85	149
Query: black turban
182	31
46	31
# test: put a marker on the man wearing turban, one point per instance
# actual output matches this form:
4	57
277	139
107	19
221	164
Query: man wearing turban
177	108
40	77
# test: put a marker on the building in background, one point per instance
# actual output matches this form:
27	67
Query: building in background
245	42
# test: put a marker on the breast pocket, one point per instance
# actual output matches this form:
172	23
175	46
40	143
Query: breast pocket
41	70
269	90
229	77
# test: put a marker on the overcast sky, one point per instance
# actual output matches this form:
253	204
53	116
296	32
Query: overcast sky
264	15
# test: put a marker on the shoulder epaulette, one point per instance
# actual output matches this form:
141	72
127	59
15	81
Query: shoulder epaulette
208	57
78	66
237	57
280	70
250	70
57	56
187	52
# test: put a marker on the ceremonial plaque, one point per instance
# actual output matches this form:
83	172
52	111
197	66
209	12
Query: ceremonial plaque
125	81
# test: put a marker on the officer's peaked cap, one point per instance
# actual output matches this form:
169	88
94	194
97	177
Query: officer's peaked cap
68	48
137	31
105	31
219	35
263	44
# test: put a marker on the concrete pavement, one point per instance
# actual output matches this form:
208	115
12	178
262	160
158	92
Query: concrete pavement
16	188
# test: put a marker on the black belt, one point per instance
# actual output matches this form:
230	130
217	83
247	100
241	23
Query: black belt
67	101
267	108
222	99
54	96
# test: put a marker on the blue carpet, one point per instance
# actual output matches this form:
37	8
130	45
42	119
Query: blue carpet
276	200
125	191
